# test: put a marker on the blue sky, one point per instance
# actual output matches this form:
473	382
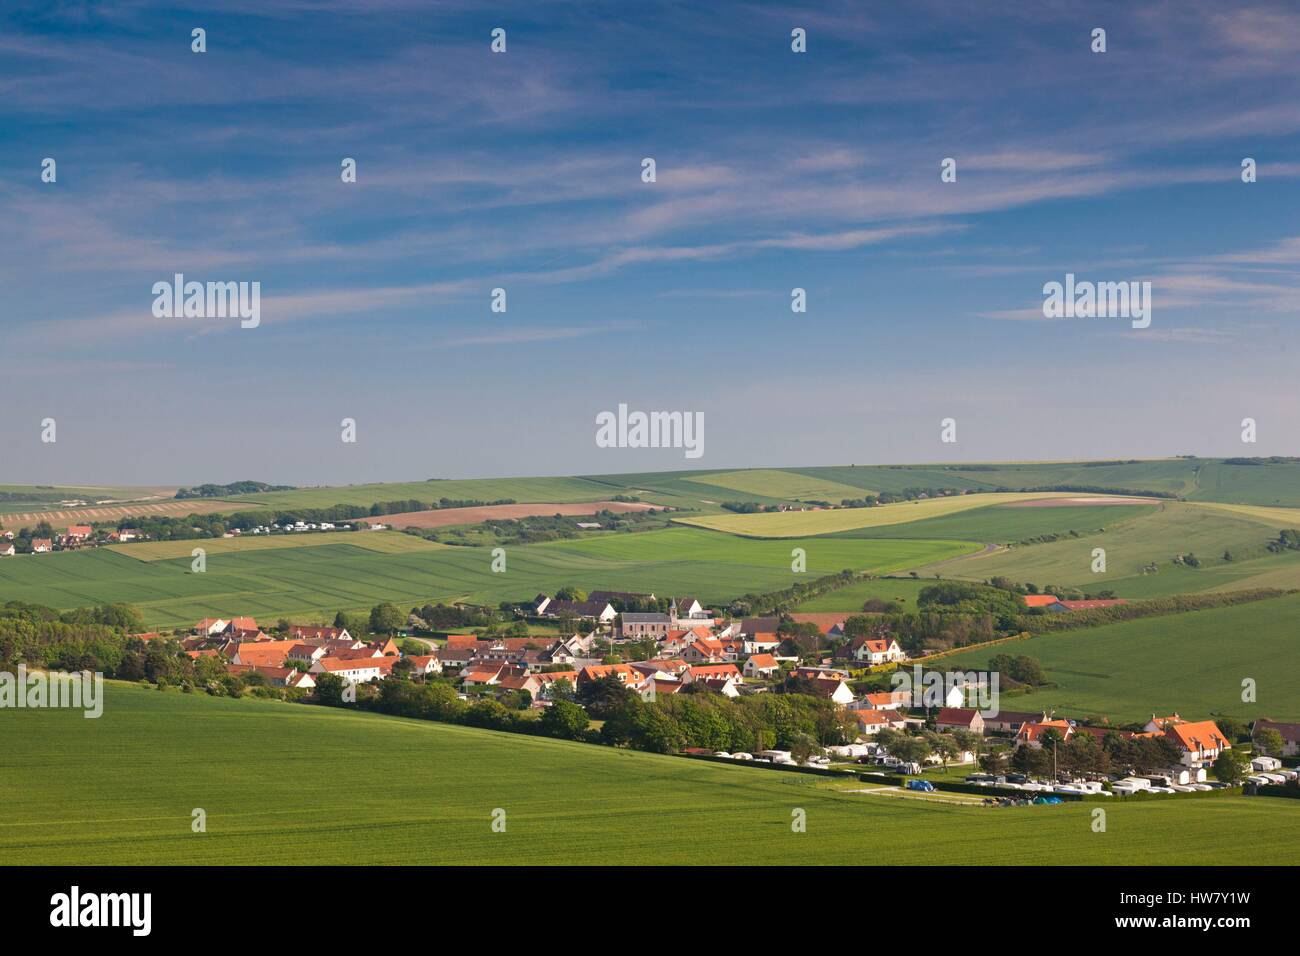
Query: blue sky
522	171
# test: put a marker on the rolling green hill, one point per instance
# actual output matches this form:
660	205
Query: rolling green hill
322	578
1175	528
292	784
1192	663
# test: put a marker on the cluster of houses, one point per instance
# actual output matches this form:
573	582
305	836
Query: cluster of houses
692	646
1199	743
84	536
77	536
295	661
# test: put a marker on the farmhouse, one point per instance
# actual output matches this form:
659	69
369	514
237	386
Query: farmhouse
601	611
78	533
760	643
875	650
42	545
6	549
1090	605
761	665
312	632
885	700
704	650
1197	741
871	722
623	673
832	688
1010	721
547	680
262	653
711	672
1040	600
425	664
959	718
1031	732
686	609
360	670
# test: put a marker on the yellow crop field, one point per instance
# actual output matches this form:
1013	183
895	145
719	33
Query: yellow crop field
798	524
1278	517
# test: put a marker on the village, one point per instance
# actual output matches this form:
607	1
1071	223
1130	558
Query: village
953	741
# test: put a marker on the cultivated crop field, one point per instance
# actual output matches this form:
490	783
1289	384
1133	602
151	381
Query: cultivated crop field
318	580
470	489
450	517
1205	530
787	485
793	524
380	542
122	790
1193	663
1004	524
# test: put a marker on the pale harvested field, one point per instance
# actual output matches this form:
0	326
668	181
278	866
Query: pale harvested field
795	524
1084	502
445	517
66	516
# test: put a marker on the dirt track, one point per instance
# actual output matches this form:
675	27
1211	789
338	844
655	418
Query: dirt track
444	517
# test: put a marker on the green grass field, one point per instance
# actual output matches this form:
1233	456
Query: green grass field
1005	524
851	598
1193	663
476	489
381	542
1206	530
314	581
786	485
292	784
797	524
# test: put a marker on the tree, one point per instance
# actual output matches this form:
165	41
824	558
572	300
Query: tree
1232	767
329	689
386	619
603	697
1269	741
564	720
910	749
946	746
969	741
1232	728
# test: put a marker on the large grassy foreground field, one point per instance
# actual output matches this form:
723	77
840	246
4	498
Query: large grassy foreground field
316	580
292	784
1192	663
